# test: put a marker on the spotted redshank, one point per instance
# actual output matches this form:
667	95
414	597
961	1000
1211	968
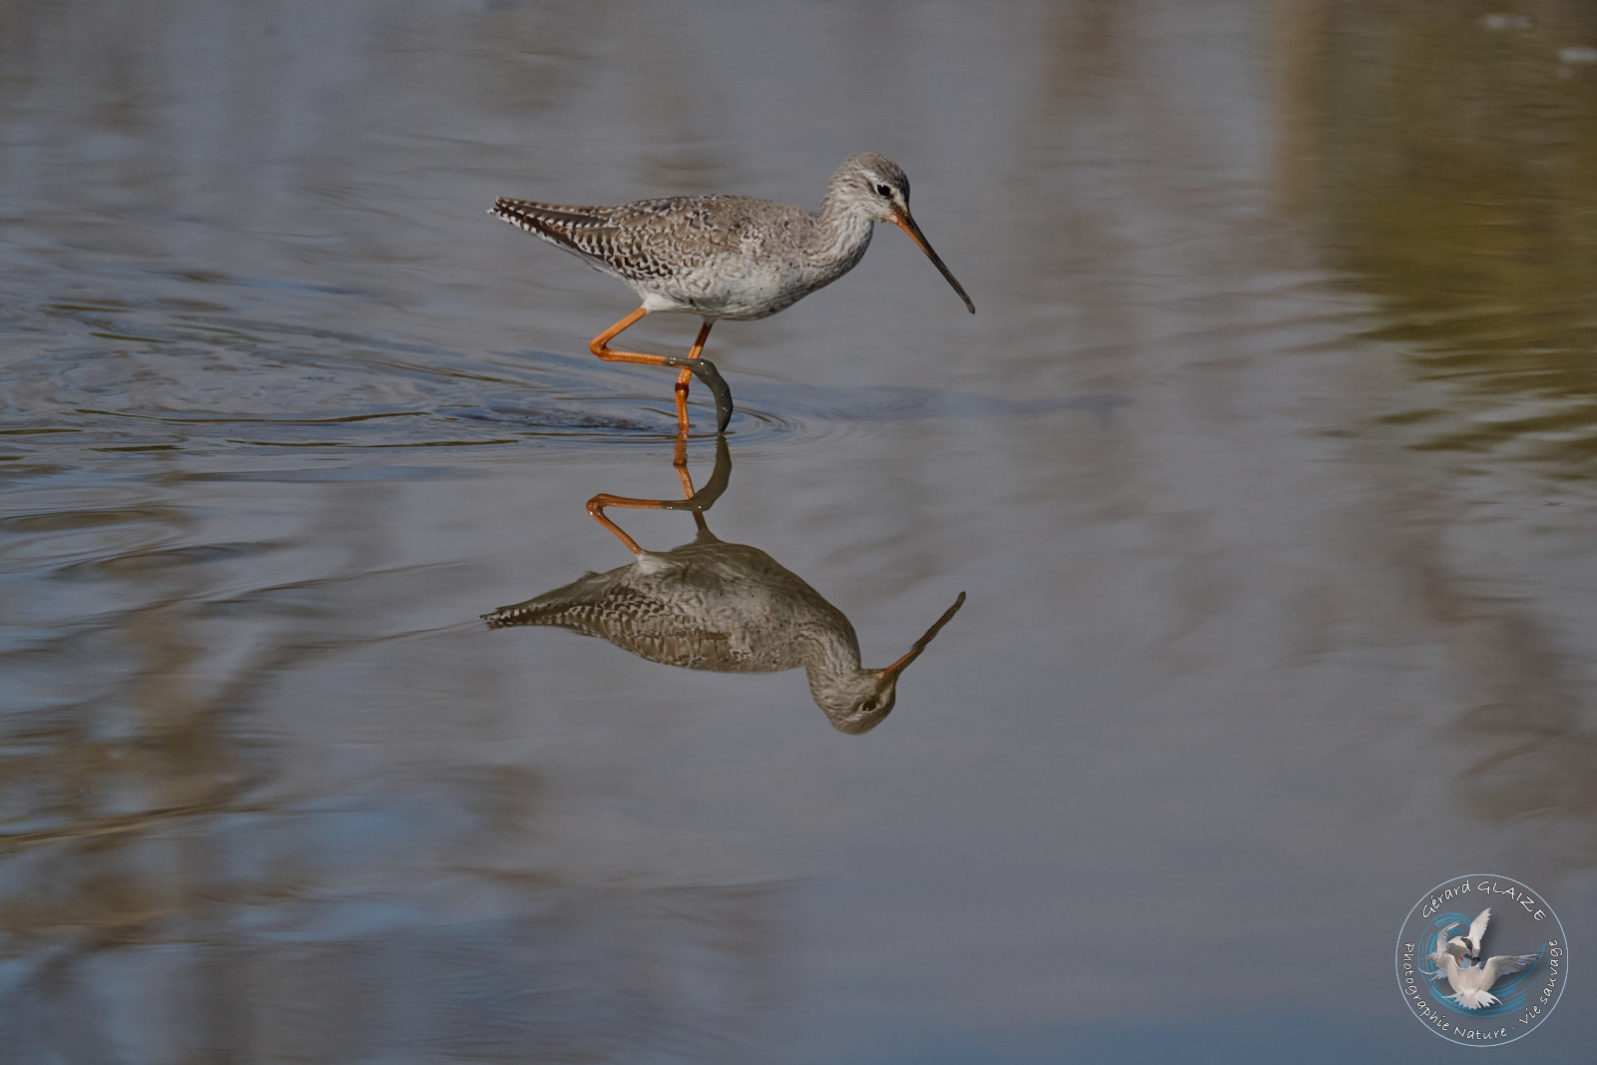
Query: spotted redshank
726	256
724	607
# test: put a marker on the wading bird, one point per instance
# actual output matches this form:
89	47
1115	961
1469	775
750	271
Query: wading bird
734	257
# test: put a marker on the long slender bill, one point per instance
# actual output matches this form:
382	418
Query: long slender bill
907	223
920	644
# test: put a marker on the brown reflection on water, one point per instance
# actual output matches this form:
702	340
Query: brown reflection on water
1454	151
270	792
1513	743
1443	156
727	608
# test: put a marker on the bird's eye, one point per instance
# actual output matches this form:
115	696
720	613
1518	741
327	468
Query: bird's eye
884	190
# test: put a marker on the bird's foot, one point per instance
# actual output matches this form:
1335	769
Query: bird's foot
705	371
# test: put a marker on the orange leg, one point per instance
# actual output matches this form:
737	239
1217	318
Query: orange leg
695	500
596	507
693	364
686	376
597	504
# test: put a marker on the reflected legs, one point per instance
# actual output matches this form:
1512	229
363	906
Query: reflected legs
695	500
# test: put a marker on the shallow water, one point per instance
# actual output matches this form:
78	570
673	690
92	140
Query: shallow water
1266	465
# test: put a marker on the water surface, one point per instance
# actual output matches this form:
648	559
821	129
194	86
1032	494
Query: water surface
1266	465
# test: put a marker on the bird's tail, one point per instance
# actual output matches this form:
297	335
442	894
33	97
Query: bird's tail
577	229
1474	999
573	606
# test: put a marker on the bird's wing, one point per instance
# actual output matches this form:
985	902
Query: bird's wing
689	232
1503	964
1477	927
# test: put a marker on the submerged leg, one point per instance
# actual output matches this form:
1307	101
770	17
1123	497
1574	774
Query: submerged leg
686	376
679	461
691	365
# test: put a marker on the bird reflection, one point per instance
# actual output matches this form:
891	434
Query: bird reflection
728	608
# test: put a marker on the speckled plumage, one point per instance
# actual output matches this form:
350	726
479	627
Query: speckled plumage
717	256
722	256
728	608
734	257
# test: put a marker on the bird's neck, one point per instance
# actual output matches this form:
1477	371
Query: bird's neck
830	655
838	684
839	238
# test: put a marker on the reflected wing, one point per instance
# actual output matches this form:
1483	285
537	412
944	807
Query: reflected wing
657	620
568	606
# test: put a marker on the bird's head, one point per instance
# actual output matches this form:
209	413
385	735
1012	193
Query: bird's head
877	188
858	701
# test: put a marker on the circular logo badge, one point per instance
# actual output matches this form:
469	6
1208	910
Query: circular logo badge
1482	959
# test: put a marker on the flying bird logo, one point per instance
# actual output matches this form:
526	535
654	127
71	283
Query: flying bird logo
1457	958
